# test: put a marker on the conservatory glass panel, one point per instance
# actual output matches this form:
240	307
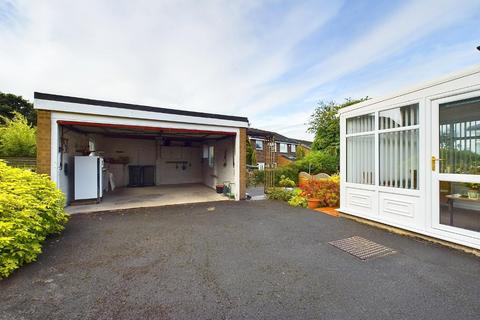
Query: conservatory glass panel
361	159
364	123
460	137
398	117
460	205
399	159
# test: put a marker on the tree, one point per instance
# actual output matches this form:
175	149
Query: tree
17	137
300	152
10	103
325	124
251	156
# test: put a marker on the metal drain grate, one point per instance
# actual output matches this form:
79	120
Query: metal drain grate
361	247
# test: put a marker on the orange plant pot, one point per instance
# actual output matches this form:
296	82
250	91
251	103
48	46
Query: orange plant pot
313	203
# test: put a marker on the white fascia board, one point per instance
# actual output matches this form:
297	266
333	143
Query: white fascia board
89	118
452	77
81	108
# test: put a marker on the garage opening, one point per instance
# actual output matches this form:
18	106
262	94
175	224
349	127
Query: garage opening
112	167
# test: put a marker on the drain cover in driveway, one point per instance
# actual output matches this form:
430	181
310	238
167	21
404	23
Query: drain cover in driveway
361	247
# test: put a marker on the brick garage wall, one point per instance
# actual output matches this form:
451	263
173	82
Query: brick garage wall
44	129
243	163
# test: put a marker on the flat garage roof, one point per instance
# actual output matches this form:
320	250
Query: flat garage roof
120	105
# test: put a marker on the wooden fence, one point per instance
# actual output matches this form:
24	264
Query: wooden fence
21	162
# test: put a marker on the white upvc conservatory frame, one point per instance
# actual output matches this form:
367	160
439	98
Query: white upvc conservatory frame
409	209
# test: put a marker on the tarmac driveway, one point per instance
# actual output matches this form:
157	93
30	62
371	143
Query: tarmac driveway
243	260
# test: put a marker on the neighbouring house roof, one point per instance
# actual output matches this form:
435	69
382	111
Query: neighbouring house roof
120	105
291	158
306	143
258	133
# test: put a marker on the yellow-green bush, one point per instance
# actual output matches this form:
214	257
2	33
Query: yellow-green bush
335	178
31	207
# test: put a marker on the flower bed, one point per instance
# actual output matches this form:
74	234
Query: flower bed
314	193
322	193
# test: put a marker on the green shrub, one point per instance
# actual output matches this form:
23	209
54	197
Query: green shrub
17	137
294	197
298	199
290	172
256	178
31	207
314	162
300	152
319	162
286	182
280	194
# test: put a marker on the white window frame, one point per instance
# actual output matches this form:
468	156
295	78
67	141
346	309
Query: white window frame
293	148
406	128
205	151
436	176
211	156
376	111
256	146
285	147
364	133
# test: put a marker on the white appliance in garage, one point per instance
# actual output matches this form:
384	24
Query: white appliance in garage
88	178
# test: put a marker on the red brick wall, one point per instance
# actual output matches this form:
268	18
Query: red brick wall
282	161
259	154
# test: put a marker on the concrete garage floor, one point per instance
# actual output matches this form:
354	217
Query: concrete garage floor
244	260
139	197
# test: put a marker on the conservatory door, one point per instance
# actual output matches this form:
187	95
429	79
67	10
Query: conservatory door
455	165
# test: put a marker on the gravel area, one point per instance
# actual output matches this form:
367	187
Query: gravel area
236	260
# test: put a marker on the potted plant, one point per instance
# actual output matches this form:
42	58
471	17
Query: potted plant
473	190
312	192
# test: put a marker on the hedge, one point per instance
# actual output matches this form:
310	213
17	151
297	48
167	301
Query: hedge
31	208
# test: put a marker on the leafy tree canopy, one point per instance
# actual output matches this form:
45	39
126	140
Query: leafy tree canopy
325	124
300	152
17	137
10	103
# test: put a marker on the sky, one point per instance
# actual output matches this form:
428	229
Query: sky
271	61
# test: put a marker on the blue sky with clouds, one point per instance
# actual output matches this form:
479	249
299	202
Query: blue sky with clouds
269	60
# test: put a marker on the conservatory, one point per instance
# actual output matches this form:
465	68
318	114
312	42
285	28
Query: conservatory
412	159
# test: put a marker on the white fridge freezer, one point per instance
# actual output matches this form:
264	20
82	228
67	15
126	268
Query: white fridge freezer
88	177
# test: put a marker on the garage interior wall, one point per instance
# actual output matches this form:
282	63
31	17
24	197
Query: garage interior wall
224	168
166	159
151	152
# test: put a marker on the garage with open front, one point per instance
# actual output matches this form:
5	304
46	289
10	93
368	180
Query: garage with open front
106	155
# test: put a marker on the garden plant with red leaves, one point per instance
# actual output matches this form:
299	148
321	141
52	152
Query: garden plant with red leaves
326	191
